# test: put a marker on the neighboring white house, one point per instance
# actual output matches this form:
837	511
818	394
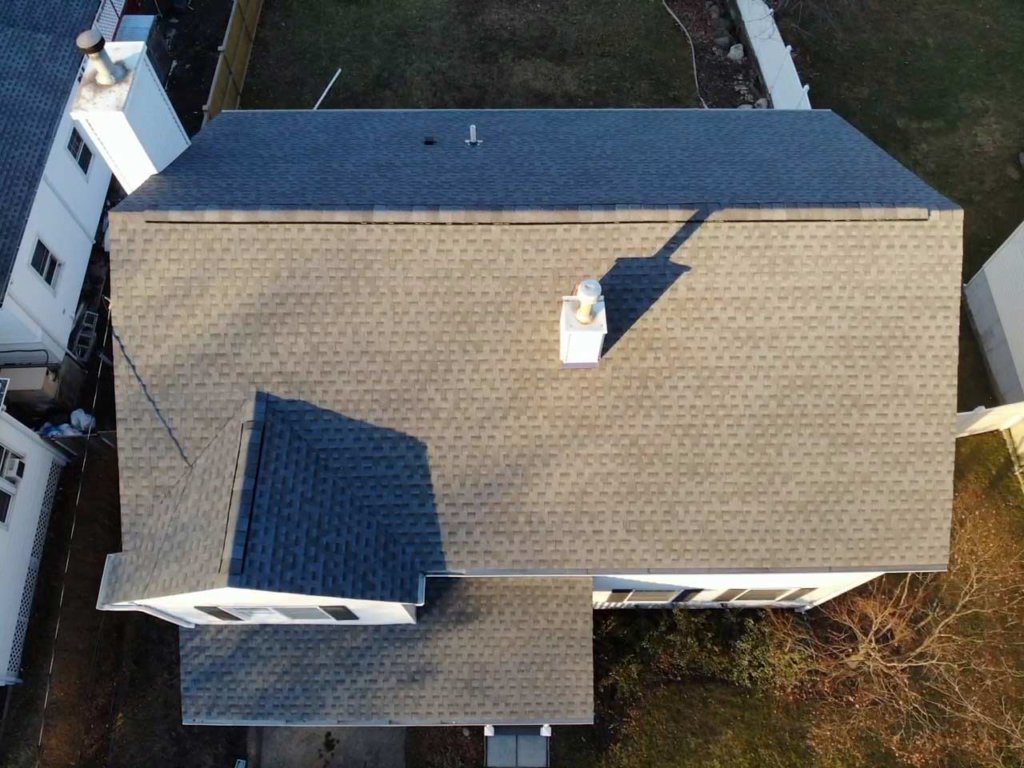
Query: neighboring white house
995	297
29	471
54	189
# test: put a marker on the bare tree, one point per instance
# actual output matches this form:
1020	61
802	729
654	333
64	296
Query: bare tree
927	664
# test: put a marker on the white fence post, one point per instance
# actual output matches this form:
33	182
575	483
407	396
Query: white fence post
983	419
773	56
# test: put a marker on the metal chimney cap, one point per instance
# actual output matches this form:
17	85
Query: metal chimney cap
90	41
589	290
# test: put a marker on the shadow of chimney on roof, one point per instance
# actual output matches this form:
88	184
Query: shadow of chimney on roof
635	283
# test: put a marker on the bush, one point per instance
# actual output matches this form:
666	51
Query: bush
638	653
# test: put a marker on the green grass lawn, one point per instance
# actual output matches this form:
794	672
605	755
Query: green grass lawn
938	83
469	53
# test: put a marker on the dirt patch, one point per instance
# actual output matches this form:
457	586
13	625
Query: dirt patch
147	727
193	37
723	82
449	747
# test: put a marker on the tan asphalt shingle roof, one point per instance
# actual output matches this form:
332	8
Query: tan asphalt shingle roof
787	403
482	651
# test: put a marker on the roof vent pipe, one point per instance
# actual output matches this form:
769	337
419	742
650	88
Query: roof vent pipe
91	43
588	293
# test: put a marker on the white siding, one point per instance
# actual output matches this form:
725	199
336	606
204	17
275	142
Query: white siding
825	585
131	123
996	299
21	537
64	215
183	606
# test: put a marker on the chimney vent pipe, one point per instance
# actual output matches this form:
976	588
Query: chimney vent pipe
588	293
91	43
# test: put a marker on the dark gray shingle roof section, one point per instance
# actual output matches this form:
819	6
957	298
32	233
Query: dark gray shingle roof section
39	61
483	651
339	506
537	159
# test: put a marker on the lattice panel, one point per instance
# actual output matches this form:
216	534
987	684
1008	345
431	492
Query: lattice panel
25	609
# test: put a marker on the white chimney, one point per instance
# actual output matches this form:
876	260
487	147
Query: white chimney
122	107
583	326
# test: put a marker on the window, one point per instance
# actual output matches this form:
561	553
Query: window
217	613
339	613
650	595
280	614
253	613
303	613
79	150
751	595
729	594
800	594
763	594
686	595
12	466
45	263
5	505
12	469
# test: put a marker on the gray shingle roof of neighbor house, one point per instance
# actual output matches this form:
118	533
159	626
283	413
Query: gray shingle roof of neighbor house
530	158
777	392
482	651
39	61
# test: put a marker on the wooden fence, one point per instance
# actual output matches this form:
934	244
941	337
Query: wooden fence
233	61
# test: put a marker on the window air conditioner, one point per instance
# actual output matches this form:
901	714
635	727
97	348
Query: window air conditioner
13	469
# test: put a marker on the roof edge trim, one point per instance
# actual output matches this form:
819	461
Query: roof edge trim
597	214
548	572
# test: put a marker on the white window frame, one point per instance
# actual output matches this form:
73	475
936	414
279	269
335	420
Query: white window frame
783	598
630	598
50	257
82	147
270	614
6	486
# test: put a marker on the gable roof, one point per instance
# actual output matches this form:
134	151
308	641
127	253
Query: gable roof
39	62
293	498
482	651
528	158
749	413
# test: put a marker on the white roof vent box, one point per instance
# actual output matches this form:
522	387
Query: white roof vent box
583	326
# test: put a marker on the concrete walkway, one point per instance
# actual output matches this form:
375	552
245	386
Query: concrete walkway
327	748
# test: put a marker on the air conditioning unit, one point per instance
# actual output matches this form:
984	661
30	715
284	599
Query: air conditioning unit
13	468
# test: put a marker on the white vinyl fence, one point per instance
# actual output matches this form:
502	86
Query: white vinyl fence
773	56
990	419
